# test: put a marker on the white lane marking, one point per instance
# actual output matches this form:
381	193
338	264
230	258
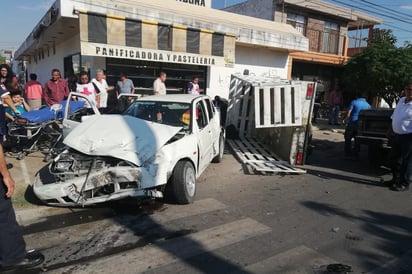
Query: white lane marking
301	259
25	172
182	211
171	213
171	251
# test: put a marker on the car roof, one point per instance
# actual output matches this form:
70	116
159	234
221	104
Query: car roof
177	98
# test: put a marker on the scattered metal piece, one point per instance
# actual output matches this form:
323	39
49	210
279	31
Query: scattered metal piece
335	229
339	268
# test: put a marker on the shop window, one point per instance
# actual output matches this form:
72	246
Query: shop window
297	21
143	73
76	63
193	41
330	39
86	63
218	44
164	37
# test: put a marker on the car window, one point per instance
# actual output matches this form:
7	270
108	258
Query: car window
210	109
201	117
169	113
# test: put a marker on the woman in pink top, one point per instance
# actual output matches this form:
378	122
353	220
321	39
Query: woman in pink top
34	92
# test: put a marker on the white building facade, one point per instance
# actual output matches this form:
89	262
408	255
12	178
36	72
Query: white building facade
184	38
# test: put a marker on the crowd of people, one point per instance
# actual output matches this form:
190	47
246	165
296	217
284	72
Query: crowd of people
16	100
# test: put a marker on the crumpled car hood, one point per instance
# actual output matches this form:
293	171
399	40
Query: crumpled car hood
124	137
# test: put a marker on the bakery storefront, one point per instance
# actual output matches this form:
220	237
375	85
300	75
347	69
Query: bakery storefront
141	38
141	49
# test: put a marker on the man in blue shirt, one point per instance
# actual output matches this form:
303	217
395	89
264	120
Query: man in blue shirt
352	117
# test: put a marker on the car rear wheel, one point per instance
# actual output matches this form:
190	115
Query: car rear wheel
183	183
218	158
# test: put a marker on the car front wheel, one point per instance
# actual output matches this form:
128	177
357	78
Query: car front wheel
183	183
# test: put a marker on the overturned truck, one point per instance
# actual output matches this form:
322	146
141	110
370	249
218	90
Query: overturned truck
269	122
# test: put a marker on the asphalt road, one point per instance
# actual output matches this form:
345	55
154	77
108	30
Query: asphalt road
337	213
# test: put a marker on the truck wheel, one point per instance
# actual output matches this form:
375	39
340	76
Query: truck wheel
218	158
183	183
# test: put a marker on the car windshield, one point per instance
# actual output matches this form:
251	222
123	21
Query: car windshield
168	113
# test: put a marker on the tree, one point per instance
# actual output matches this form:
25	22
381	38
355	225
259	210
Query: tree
2	59
382	69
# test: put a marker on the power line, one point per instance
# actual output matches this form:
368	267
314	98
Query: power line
376	12
395	12
396	27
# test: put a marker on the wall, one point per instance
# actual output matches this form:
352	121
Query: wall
256	8
258	61
43	67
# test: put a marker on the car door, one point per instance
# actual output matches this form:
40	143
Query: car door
214	124
75	111
204	133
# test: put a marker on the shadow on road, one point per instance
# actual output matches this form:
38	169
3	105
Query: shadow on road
133	219
329	175
393	232
329	154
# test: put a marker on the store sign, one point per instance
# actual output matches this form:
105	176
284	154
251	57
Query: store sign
103	50
201	3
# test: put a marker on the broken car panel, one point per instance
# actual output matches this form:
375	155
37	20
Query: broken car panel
157	141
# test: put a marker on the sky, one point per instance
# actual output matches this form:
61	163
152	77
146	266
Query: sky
20	16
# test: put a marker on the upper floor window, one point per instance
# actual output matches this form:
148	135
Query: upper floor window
331	26
297	21
330	41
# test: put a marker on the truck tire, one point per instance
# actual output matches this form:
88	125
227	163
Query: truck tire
218	158
183	183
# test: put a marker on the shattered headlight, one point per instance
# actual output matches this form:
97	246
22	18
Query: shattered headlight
62	166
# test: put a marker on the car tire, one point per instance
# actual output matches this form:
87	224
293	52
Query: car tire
183	183
218	158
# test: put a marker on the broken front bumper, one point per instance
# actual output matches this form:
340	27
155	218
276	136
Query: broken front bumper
111	183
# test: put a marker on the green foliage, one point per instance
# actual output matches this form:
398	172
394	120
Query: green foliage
382	69
2	59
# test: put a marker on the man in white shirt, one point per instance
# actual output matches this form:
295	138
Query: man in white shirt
102	88
159	87
402	142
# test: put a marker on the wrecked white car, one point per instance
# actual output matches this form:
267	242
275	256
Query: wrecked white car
159	144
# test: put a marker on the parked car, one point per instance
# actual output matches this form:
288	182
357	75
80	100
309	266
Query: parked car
158	145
